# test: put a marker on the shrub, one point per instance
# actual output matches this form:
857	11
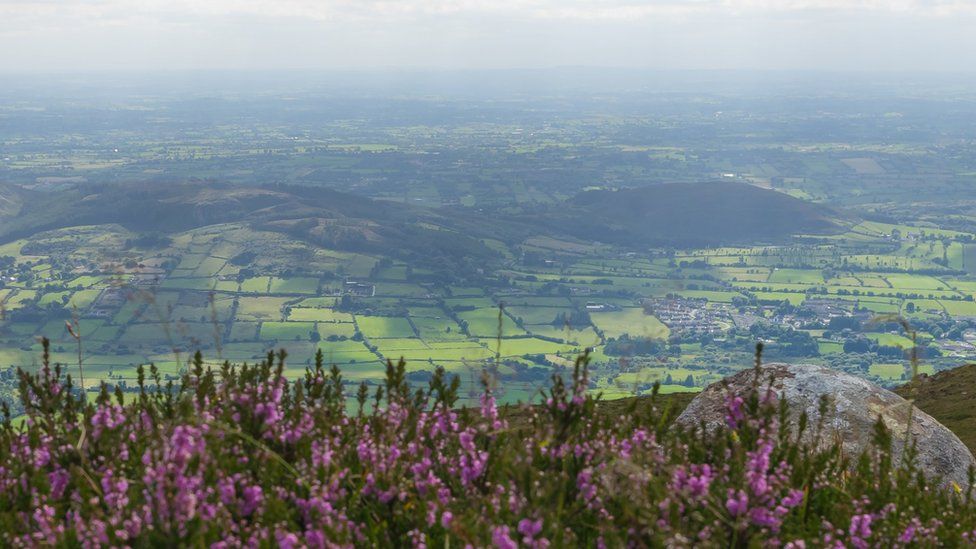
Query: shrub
239	456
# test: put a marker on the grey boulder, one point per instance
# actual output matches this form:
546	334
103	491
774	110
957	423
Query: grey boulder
855	405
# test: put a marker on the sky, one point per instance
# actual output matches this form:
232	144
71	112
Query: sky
140	35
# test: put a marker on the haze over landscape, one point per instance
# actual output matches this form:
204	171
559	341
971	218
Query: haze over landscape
862	35
502	246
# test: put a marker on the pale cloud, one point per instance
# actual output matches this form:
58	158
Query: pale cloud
487	33
334	10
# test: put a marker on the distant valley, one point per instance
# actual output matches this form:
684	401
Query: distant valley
665	233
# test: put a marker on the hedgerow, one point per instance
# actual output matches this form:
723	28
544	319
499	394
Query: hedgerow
242	457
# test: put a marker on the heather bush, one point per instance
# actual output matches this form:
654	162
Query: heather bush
240	456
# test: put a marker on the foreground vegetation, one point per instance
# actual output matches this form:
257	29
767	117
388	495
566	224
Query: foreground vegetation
243	456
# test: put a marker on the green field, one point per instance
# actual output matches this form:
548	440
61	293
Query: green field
891	340
256	285
320	315
631	321
261	308
282	331
294	285
485	323
796	276
379	327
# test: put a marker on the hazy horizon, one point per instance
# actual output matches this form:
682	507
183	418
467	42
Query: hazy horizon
92	35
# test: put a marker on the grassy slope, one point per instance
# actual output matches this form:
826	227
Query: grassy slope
948	397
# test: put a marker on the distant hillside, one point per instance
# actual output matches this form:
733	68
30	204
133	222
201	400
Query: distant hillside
690	214
324	217
948	397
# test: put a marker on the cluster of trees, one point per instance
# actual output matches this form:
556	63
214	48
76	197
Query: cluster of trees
861	344
576	318
782	341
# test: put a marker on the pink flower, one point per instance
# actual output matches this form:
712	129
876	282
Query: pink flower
737	503
530	528
733	411
861	526
501	539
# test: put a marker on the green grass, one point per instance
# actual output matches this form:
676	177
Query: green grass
398	289
82	299
261	308
53	297
319	315
537	315
188	284
466	291
105	333
286	330
227	286
484	323
346	352
902	281
256	285
583	338
959	308
830	347
948	396
437	329
209	267
377	327
887	371
338	329
294	285
85	281
630	321
891	340
796	276
17	299
244	331
363	370
645	376
528	346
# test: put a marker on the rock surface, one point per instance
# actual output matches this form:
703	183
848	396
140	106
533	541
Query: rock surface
855	407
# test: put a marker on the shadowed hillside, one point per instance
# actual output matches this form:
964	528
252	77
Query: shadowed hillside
320	216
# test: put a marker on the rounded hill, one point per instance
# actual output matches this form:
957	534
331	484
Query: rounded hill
693	214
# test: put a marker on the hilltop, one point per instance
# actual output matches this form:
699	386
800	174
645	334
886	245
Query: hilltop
691	214
322	217
671	214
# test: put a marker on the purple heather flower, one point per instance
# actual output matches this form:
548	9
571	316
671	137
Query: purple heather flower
501	539
908	535
530	528
861	526
733	411
737	503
